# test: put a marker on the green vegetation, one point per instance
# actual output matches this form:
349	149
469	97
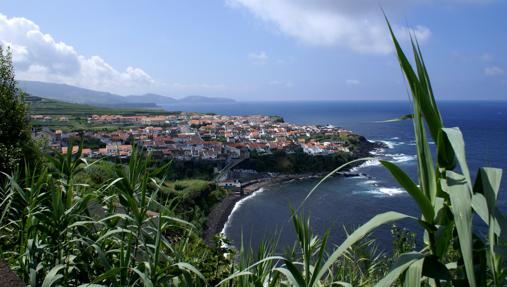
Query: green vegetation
16	145
298	162
55	229
277	119
74	117
74	223
195	198
42	106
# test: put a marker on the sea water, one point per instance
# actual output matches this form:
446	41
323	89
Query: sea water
345	203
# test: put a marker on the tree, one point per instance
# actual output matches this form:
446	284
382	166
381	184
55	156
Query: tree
16	145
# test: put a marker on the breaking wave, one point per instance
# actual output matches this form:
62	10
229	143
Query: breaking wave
401	157
238	205
383	191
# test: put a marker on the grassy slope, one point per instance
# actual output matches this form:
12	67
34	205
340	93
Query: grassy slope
42	106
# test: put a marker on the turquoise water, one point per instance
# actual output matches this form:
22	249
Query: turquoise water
350	202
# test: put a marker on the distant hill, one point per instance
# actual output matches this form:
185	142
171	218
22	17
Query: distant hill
73	94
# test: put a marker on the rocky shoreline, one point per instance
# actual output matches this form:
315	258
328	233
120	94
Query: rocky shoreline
220	213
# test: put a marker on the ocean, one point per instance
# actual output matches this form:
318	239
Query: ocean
344	203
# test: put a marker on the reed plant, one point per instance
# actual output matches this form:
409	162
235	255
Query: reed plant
55	231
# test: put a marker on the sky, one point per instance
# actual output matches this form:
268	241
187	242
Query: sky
266	50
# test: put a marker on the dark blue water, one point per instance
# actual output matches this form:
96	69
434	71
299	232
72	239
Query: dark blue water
350	202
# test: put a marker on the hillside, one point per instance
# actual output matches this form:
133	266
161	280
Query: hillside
43	106
77	95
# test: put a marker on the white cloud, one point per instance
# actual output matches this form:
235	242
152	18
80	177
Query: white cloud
356	25
352	82
258	58
38	56
493	71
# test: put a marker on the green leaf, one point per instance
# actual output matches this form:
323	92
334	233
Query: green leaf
188	267
292	274
52	277
459	194
455	138
487	183
246	271
434	269
331	174
445	154
399	267
146	281
359	234
406	182
235	275
414	274
402	118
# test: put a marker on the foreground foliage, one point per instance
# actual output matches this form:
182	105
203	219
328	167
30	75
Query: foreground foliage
55	230
16	145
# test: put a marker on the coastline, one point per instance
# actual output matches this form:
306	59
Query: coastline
220	213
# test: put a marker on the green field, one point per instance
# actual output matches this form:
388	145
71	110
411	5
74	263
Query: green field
42	106
77	114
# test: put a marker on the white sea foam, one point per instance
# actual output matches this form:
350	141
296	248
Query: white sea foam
414	143
371	162
395	138
378	151
370	182
401	157
389	144
391	191
384	192
237	206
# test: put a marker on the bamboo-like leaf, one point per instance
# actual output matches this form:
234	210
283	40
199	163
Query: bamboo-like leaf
426	100
247	272
401	265
331	174
406	182
413	274
455	138
115	231
488	183
402	118
235	275
293	274
52	277
422	104
146	281
433	268
461	203
359	234
480	206
188	267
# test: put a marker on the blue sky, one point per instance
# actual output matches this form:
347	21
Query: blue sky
258	49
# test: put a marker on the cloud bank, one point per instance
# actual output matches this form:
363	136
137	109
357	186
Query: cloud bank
352	24
38	56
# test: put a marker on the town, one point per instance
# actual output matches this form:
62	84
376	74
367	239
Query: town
190	136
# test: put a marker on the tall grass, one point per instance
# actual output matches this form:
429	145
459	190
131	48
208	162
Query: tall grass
57	232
